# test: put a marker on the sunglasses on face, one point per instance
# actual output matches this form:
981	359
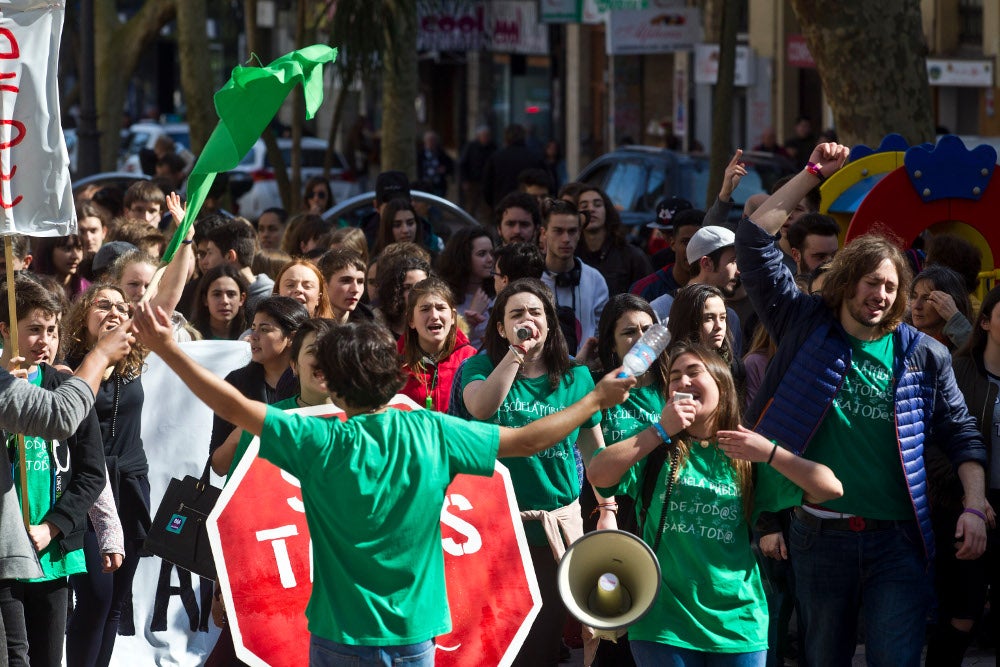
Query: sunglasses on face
105	305
318	193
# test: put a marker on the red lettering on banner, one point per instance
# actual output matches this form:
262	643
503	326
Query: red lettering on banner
6	86
21	131
15	50
11	52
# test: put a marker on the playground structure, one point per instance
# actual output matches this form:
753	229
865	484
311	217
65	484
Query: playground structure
909	190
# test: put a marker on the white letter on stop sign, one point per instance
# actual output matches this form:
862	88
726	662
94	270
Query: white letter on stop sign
473	542
277	537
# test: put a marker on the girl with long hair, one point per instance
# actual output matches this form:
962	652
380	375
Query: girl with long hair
699	315
603	245
433	347
101	596
711	607
467	266
525	374
268	377
302	280
312	391
60	258
399	222
219	312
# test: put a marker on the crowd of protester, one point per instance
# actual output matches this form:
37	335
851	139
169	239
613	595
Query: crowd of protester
858	508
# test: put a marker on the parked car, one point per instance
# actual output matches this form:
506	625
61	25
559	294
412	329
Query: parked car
144	135
636	178
444	216
253	179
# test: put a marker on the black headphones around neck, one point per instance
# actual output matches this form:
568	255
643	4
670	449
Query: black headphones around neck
570	278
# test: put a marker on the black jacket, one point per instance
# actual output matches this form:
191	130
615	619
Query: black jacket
249	380
503	168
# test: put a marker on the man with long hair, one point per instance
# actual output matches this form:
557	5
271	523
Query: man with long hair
853	387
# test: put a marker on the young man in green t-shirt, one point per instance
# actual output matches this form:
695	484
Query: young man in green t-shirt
373	485
855	388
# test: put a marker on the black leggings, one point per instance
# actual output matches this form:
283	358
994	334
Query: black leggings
90	637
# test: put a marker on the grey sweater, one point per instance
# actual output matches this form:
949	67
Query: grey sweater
31	410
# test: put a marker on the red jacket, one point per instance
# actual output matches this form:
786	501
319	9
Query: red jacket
436	382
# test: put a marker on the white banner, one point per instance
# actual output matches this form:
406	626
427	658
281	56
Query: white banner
654	30
172	608
36	196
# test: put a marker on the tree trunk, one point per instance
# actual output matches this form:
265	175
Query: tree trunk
399	89
196	75
118	47
274	157
722	105
871	58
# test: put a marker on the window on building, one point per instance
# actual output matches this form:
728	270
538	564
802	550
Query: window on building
970	23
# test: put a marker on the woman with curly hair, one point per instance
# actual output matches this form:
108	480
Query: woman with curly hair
90	636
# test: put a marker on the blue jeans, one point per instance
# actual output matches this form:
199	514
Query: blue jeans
840	572
325	653
654	654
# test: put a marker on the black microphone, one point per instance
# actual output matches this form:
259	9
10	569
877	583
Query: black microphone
523	333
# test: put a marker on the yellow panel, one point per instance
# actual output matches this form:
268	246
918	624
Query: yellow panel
851	173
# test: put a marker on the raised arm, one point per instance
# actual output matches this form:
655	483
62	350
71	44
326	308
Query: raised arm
547	431
176	273
607	468
56	414
154	331
773	213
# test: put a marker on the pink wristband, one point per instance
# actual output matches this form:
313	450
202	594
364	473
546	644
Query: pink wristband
815	170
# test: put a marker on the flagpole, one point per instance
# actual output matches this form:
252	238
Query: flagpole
8	250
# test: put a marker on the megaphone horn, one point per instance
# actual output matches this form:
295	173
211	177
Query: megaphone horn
608	580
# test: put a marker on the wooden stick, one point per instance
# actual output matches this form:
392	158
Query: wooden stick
8	249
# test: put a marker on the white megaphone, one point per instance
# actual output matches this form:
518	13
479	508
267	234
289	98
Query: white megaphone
608	580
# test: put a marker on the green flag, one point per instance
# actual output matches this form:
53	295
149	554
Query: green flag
246	104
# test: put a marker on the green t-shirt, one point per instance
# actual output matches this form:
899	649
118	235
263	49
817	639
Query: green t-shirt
772	491
548	480
246	437
38	462
857	438
373	488
711	598
642	408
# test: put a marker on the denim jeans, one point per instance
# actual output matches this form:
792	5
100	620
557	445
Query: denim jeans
325	653
840	572
654	654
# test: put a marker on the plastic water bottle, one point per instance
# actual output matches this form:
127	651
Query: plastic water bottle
645	351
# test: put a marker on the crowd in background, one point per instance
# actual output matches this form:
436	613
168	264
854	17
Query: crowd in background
508	322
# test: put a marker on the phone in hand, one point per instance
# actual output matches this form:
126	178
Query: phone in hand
681	396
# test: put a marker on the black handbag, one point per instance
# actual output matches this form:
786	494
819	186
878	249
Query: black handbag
179	533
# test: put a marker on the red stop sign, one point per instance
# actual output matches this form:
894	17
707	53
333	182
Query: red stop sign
264	558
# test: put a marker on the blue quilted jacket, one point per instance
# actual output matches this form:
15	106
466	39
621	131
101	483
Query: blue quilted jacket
813	357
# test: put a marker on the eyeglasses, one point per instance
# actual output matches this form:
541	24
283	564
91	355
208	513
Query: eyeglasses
105	305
